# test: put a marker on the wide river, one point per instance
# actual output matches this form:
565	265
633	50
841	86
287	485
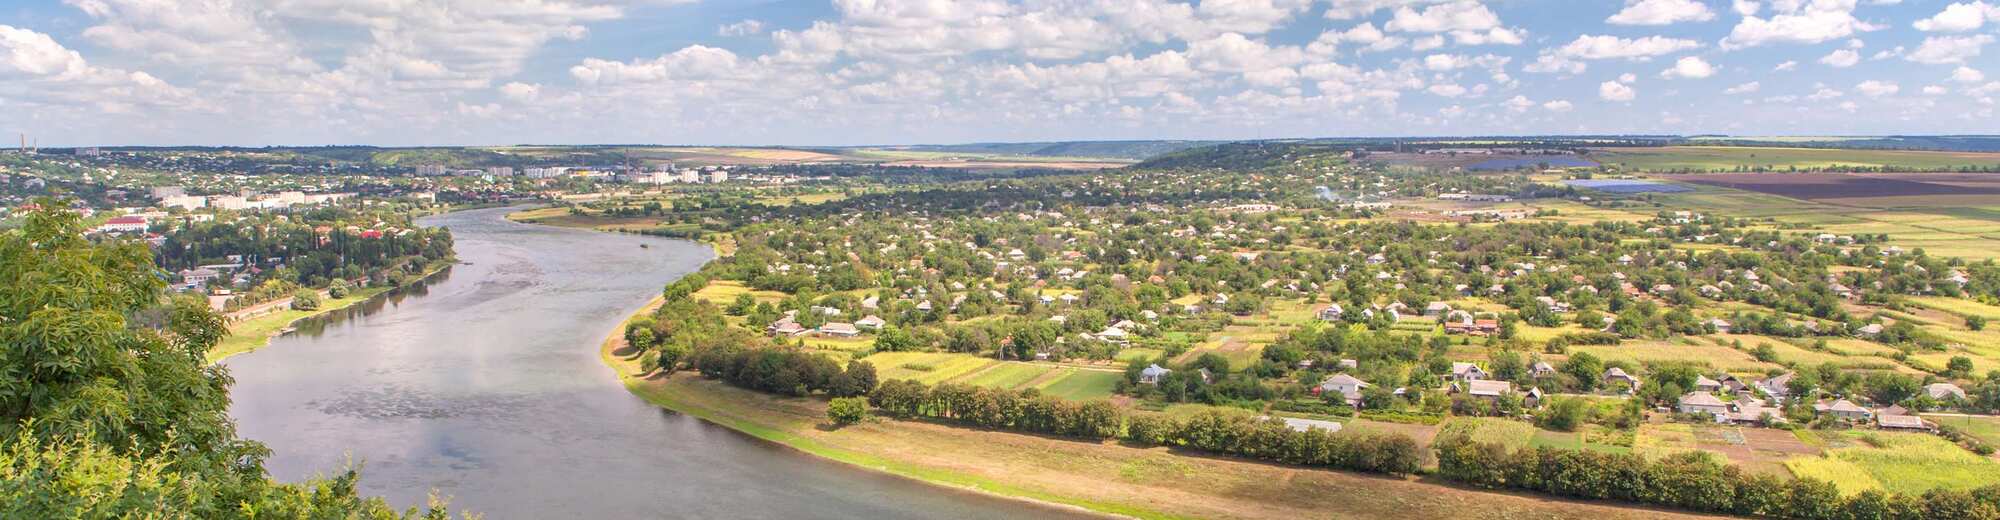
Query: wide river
485	385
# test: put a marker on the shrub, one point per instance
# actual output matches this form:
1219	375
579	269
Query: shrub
847	410
305	300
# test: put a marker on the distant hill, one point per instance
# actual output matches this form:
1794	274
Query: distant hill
1133	150
1239	155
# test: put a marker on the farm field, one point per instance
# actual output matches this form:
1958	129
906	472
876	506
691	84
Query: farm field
932	368
1897	462
1726	158
1942	225
1818	186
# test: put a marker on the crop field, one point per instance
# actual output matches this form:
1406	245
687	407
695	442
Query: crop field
1083	385
1908	463
1726	158
724	292
1816	186
1985	428
1642	352
926	367
1512	434
1003	375
1943	225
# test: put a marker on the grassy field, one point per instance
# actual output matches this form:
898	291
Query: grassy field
1510	433
1985	428
1713	158
1084	385
926	367
1940	225
1909	463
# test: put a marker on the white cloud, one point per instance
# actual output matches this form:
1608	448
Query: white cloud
1934	90
1445	62
1787	65
1824	94
1798	21
1842	58
1615	91
1941	50
1876	88
1557	106
1595	47
1745	88
523	92
1447	90
1628	77
34	68
1661	12
1518	104
1960	17
1745	7
1690	67
743	28
1964	74
1467	21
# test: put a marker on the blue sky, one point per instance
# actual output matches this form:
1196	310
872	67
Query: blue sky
851	72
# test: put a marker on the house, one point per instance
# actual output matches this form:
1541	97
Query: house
1542	369
1720	325
1776	386
1462	371
1437	309
1112	334
1731	384
1944	391
786	329
1901	422
1331	313
1869	329
1702	402
1473	327
1617	379
1843	409
1704	384
1152	374
1534	397
871	322
1753	411
1483	389
125	224
839	330
1346	386
872	302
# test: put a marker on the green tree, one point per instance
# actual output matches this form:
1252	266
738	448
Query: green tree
847	410
100	418
305	300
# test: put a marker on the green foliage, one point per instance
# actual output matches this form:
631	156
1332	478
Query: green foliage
306	300
847	410
102	419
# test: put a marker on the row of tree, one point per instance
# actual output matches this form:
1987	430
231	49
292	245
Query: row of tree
1693	481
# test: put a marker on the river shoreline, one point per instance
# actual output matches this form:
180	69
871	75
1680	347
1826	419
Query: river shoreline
273	327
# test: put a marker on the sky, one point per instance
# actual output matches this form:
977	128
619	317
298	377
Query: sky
876	72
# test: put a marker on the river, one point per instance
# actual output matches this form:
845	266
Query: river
485	385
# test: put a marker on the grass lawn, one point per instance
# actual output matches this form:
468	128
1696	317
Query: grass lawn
1907	463
1659	440
1642	352
724	292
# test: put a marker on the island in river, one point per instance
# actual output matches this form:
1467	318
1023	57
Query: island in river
484	385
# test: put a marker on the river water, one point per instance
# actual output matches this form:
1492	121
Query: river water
485	385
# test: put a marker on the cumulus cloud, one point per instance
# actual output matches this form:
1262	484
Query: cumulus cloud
1595	47
1467	21
1876	88
1841	59
1557	106
743	28
1943	50
1798	21
1960	17
1615	91
1964	74
1690	67
1744	88
1661	12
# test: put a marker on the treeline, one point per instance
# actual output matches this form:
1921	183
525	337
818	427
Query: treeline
1694	481
1215	432
786	371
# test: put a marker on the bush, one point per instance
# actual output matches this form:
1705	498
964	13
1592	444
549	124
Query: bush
305	300
339	288
847	410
